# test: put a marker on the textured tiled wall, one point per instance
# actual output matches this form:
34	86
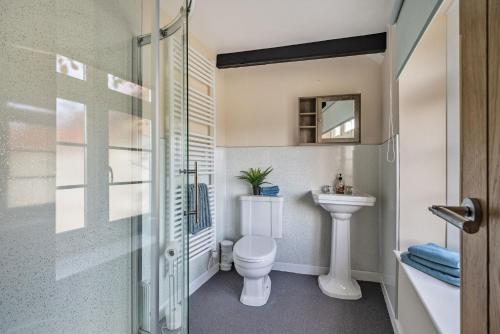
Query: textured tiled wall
307	227
77	281
388	200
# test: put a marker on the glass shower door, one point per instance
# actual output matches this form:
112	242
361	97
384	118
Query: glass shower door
173	264
74	165
91	236
161	269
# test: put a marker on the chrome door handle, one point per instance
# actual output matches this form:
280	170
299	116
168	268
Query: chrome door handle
466	217
196	192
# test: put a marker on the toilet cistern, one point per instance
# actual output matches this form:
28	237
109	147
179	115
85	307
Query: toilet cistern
338	282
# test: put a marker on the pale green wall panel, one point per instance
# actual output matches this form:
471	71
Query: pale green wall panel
413	19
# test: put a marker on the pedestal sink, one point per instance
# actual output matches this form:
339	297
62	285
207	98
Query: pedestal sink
338	282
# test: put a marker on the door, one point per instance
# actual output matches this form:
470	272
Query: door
160	268
86	225
480	130
74	165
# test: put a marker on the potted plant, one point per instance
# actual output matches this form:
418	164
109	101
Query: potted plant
256	177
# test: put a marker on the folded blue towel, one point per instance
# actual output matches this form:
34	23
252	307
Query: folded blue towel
272	191
269	192
436	266
435	253
405	258
204	215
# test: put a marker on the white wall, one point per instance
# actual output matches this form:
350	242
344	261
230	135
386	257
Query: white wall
453	119
257	120
261	102
298	170
388	234
422	121
412	316
390	89
389	178
425	155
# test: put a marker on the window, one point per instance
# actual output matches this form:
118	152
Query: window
71	147
129	153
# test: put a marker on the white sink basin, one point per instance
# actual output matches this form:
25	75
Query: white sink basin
342	203
338	282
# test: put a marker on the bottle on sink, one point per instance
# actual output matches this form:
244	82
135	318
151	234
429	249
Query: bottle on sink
339	184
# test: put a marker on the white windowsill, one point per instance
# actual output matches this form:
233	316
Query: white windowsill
441	300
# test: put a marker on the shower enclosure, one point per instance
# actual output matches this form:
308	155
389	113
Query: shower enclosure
93	133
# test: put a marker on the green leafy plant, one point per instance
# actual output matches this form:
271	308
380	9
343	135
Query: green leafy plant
256	177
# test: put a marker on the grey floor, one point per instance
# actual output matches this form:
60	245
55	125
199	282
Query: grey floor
296	305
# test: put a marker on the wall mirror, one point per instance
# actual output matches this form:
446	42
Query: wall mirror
338	118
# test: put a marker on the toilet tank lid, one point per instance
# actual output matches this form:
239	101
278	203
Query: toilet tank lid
259	198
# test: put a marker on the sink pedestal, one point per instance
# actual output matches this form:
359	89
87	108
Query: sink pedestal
338	282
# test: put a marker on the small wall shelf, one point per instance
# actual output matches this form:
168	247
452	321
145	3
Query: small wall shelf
307	120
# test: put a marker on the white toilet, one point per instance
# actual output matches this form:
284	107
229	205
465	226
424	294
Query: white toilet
261	221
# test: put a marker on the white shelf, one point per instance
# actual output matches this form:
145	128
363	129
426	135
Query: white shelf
441	300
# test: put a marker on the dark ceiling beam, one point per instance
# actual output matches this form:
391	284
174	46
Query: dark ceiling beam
342	47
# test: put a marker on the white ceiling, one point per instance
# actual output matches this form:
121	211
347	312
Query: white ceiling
239	25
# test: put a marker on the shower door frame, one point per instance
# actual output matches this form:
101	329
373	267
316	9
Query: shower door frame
179	22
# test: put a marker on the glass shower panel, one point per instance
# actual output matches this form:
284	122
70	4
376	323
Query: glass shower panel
162	268
173	233
75	160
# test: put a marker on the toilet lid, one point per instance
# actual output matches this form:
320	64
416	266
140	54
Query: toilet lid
253	248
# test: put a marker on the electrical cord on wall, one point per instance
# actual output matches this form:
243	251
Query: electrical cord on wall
390	157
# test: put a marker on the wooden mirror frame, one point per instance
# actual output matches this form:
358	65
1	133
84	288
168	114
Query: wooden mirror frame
357	118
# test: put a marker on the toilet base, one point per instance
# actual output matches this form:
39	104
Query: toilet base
256	291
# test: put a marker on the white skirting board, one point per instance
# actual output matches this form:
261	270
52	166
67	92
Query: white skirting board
203	278
394	321
368	276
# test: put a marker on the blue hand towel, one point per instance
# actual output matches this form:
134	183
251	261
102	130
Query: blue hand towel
270	191
436	266
204	215
435	253
431	272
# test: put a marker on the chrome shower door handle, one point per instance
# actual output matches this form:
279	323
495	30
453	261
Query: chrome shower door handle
111	178
196	193
466	217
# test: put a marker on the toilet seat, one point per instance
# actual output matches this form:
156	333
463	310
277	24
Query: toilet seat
255	249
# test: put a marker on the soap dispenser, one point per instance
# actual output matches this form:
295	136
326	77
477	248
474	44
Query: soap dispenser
339	185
